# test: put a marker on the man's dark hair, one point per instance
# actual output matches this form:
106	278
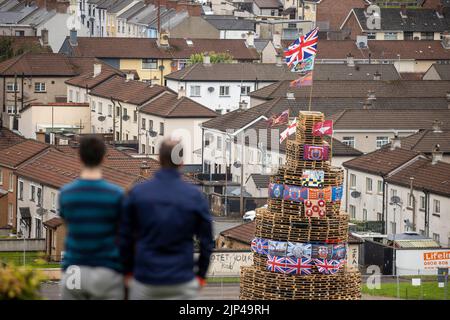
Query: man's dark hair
92	151
170	154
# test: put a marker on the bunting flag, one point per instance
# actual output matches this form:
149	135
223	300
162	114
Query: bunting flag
315	208
277	248
323	128
289	131
325	266
304	66
299	250
336	193
276	190
302	48
276	264
278	120
320	194
254	244
298	266
295	193
315	153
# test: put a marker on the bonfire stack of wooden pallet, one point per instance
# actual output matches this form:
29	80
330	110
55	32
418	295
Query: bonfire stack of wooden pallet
300	246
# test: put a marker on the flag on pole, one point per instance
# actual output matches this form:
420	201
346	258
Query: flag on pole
305	65
323	128
302	48
303	81
289	131
278	120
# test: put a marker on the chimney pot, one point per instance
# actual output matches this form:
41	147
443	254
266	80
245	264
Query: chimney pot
396	142
206	59
73	37
145	169
436	155
97	69
276	40
250	39
377	76
437	126
181	92
350	60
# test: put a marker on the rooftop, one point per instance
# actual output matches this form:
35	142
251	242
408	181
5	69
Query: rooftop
9	138
425	140
48	64
148	48
385	119
129	91
168	105
382	161
21	152
427	176
233	23
87	80
233	72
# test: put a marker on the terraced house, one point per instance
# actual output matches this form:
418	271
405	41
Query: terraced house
153	59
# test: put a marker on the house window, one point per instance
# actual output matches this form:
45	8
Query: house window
436	206
408	35
135	116
390	36
53	200
436	238
10	109
143	124
371	36
364	214
10	213
39	196
224	91
11	182
70	96
379	216
38	228
77	97
12	87
352	212
149	63
427	36
393	193
143	148
100	108
349	141
409	200
352	181
150	125
19	33
195	91
117	111
422	203
369	185
245	90
20	195
93	106
219	143
161	128
39	87
32	193
380	186
381	141
109	110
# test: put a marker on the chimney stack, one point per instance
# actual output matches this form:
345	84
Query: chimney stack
377	76
206	59
145	169
446	40
40	135
350	60
396	143
163	40
437	126
250	42
73	37
279	60
276	40
97	69
371	95
44	37
437	155
448	99
243	105
181	92
129	76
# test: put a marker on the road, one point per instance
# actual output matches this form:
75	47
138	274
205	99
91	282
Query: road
226	291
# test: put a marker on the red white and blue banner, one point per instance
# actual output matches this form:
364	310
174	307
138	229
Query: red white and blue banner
315	153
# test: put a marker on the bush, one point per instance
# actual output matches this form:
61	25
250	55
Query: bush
20	283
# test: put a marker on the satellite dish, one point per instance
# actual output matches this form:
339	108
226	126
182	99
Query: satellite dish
41	211
237	164
408	224
126	117
211	89
152	133
101	118
395	200
355	194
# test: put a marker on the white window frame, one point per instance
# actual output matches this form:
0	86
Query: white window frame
10	87
436	206
352	181
1	177
369	185
100	108
10	214
380	183
19	193
224	91
349	141
194	91
11	182
245	90
149	64
40	87
382	141
352	211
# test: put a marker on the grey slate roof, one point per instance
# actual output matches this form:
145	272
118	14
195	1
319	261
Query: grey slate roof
417	20
221	23
132	11
443	70
261	180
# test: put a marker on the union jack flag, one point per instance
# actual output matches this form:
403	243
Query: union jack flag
276	264
327	266
262	247
302	266
255	244
302	48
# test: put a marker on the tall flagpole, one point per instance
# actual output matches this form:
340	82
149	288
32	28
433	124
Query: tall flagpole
311	90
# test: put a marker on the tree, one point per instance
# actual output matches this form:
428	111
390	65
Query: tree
220	57
6	49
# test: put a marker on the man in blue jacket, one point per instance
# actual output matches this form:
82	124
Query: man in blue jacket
159	221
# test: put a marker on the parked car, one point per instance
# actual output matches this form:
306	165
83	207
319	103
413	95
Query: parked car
249	215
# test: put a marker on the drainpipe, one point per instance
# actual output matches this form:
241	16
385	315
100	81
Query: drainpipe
346	191
384	217
413	201
114	121
427	213
121	111
21	104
